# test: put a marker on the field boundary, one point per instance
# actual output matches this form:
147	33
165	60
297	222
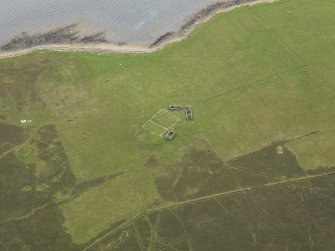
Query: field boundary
165	128
205	198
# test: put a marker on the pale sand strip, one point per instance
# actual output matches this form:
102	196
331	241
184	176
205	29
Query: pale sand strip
126	49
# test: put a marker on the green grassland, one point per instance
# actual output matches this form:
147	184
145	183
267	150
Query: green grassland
115	200
253	76
315	151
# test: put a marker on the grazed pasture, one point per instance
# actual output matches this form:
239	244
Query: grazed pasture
253	170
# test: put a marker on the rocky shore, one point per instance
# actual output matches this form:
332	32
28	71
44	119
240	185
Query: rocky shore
68	38
200	17
62	35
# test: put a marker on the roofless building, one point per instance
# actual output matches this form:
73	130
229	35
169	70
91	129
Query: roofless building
176	107
189	113
170	134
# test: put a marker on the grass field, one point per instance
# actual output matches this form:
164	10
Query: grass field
117	199
315	151
253	76
247	71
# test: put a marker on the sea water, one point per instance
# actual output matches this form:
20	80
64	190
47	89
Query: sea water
130	21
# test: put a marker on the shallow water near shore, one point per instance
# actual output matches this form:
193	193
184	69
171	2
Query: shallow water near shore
130	21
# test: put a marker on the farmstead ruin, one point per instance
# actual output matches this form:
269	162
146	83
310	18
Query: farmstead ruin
163	123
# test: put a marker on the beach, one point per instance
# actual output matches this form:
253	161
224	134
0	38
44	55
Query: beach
170	37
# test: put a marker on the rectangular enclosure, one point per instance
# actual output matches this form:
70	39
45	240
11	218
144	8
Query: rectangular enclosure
154	128
161	122
165	119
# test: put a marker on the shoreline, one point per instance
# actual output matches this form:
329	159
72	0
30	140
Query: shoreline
181	34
